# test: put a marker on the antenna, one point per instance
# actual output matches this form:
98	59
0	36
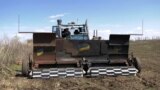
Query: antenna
18	23
142	27
96	33
141	34
86	23
77	20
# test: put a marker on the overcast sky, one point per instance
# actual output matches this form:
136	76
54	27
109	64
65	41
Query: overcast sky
107	16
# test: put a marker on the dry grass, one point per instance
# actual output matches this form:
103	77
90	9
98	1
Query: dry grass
12	51
149	79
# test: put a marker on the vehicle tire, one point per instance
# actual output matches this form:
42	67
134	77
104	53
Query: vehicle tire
25	67
137	64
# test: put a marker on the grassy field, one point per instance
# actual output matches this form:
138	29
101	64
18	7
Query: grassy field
149	79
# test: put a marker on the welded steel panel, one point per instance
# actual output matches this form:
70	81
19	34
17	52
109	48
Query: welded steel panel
44	48
104	47
118	47
118	39
79	48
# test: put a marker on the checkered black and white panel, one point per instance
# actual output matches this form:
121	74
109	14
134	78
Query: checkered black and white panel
112	71
57	72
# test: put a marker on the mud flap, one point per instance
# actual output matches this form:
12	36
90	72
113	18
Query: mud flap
57	72
111	71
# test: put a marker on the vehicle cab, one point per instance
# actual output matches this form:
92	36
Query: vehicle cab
71	31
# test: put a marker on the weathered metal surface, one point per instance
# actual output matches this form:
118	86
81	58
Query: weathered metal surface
104	47
79	48
118	47
44	48
44	38
117	39
44	59
64	51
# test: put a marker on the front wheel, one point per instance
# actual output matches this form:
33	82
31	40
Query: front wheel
137	64
25	67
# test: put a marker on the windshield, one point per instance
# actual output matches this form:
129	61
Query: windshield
79	37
